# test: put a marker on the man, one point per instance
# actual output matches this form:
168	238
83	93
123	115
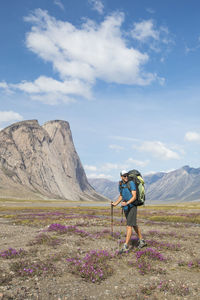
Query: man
127	199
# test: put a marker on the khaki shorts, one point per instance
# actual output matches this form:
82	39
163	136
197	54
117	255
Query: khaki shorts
131	216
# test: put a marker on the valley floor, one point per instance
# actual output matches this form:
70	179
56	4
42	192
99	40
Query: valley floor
70	253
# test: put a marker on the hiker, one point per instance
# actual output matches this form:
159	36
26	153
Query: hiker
127	197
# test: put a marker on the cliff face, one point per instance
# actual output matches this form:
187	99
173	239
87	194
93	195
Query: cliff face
41	162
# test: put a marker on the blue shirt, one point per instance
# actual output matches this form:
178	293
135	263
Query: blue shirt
125	192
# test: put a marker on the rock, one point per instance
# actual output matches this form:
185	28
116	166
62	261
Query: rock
40	162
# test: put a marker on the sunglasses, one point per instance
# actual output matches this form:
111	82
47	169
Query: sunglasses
125	176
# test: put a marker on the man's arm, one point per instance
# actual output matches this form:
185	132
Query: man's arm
117	202
133	198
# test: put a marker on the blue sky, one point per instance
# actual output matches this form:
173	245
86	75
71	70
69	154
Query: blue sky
124	74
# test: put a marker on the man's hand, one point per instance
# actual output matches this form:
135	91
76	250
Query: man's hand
116	202
123	203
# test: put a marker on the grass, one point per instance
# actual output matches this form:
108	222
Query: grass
177	219
45	239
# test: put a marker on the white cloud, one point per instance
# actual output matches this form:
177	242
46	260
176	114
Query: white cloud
3	85
150	10
81	55
192	136
59	4
124	138
158	149
95	175
10	116
86	52
104	170
90	168
140	163
157	38
144	30
107	167
116	148
51	91
97	5
110	166
126	165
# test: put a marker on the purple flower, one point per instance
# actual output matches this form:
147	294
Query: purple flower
93	266
11	253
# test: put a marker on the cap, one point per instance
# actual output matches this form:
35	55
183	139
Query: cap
122	173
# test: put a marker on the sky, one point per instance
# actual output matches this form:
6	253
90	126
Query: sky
124	74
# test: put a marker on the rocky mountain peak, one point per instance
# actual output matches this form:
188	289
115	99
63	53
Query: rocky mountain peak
42	161
190	170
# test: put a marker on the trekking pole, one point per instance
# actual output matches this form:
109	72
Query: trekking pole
122	216
111	219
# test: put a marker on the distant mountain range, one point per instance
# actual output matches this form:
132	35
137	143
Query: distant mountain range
180	185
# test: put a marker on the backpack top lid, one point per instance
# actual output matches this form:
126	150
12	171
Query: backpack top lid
134	173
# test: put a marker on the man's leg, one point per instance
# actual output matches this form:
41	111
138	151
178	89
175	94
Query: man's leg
138	232
128	234
142	242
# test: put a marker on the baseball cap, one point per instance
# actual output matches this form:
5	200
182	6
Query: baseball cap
122	173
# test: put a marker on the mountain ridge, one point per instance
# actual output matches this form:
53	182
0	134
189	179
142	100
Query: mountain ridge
176	186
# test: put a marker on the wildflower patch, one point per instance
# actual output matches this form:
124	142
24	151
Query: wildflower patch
164	245
144	260
62	229
169	287
192	264
26	268
45	239
12	253
93	267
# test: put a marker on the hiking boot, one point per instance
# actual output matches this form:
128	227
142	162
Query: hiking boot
142	244
124	249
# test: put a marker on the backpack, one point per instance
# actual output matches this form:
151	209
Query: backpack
136	177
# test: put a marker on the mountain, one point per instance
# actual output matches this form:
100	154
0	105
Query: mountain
105	187
176	186
40	162
179	185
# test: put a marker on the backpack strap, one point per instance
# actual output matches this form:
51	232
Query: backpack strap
129	186
136	186
122	187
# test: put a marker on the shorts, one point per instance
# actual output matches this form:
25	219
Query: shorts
131	216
